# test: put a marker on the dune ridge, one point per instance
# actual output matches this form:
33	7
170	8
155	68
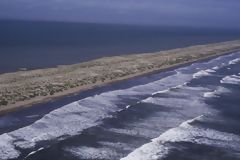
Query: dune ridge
25	88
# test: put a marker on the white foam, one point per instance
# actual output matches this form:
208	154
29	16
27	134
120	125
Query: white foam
128	106
217	92
233	79
33	152
210	70
171	102
235	61
92	153
163	91
188	133
201	74
215	63
159	148
140	128
216	68
150	151
73	118
7	149
65	121
187	123
210	94
199	89
117	145
177	101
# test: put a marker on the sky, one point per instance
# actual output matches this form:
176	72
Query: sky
198	13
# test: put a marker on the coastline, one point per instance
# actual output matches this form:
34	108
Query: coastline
25	88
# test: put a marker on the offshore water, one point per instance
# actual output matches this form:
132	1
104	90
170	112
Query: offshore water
31	45
187	113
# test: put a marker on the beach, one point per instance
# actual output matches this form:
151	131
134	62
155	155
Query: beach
190	110
24	88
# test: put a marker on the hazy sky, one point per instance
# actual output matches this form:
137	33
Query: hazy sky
202	13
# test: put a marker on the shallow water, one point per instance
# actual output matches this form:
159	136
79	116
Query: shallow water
190	112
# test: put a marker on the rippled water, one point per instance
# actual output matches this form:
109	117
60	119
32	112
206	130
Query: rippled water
190	112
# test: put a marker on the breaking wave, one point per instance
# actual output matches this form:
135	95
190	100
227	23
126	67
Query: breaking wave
233	79
72	119
185	132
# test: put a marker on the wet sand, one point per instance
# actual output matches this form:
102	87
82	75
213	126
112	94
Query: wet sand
25	88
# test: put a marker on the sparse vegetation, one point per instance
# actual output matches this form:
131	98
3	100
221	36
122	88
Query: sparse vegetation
28	85
3	102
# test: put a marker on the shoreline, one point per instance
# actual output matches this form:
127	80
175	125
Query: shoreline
23	89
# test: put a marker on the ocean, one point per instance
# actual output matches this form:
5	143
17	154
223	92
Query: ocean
186	113
36	44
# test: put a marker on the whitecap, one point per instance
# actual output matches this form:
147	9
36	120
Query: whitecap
73	118
220	90
34	152
7	149
235	61
233	79
159	147
91	153
163	91
128	106
201	74
216	68
210	94
117	145
210	70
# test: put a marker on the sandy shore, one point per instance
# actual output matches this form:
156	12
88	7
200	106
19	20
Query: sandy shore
25	88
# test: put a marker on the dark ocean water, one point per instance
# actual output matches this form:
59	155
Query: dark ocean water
187	113
34	45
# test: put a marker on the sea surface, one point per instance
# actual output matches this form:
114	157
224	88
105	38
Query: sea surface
187	113
36	44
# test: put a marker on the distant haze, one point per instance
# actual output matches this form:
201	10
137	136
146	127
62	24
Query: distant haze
196	13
